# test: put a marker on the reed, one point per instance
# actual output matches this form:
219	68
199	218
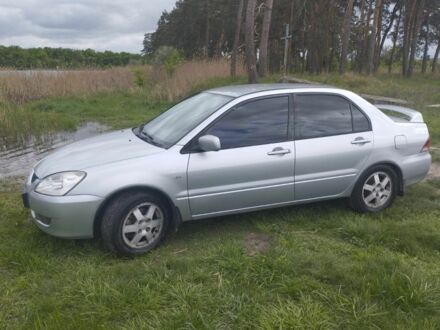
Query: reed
189	76
19	87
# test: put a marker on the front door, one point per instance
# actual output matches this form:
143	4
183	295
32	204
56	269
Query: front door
333	141
255	166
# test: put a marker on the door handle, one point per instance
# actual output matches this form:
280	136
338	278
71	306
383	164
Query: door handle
360	140
278	151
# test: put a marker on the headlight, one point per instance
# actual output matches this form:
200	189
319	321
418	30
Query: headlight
59	184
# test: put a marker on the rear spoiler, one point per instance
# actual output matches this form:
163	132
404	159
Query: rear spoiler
404	114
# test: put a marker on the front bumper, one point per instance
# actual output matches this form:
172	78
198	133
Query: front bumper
63	216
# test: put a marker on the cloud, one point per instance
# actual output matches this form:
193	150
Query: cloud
117	25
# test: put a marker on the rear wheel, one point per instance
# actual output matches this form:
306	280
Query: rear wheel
135	223
375	190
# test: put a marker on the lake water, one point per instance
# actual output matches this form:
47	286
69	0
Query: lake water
29	73
18	159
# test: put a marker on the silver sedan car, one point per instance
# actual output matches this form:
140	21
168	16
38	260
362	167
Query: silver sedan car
224	151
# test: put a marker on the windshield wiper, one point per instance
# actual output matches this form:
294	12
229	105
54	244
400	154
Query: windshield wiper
148	137
140	128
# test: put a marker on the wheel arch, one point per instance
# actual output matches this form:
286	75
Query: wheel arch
176	217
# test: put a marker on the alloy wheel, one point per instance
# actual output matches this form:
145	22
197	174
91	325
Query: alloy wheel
377	189
142	226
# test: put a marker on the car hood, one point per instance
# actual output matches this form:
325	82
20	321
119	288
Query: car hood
95	151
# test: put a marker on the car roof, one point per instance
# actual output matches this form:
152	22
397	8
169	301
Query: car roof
240	90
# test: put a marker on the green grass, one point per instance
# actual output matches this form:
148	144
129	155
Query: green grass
118	110
326	268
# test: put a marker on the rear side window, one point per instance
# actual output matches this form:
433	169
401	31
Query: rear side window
257	122
360	122
321	115
325	115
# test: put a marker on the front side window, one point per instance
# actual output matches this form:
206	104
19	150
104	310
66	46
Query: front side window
256	122
324	115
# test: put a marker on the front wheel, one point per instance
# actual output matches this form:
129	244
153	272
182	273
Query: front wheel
135	223
375	190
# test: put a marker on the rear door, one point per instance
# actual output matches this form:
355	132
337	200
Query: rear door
255	166
333	139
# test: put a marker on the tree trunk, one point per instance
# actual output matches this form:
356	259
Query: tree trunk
290	41
363	60
264	41
410	7
395	37
376	57
332	53
385	35
207	30
304	53
406	31
435	59
415	34
238	22
359	52
346	36
425	50
373	36
250	42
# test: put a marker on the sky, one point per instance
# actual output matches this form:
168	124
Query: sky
117	25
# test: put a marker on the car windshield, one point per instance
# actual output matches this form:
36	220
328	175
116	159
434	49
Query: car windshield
172	125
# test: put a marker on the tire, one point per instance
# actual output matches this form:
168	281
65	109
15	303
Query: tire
135	223
375	190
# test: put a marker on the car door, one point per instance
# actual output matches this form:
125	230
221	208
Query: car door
255	165
333	139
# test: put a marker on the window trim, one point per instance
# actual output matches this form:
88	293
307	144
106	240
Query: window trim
351	104
190	146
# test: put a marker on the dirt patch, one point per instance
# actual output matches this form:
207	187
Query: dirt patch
434	171
257	243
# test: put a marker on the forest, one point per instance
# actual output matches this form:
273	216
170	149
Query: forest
322	35
62	58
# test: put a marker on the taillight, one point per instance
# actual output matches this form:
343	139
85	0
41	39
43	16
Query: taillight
426	145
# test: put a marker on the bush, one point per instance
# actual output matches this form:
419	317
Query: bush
167	57
139	77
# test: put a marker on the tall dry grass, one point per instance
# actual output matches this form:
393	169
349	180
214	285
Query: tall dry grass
19	87
190	75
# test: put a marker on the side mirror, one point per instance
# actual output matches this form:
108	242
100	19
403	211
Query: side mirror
209	143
